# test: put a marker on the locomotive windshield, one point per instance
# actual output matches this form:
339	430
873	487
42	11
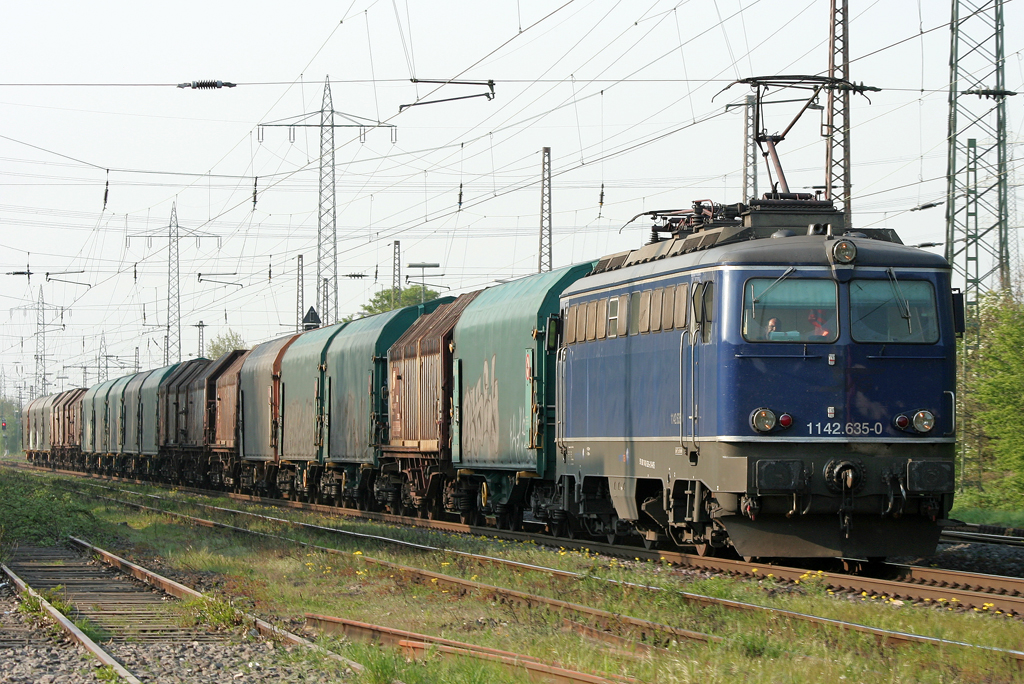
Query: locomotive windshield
893	311
790	310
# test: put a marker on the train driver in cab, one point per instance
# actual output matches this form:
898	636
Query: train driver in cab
819	326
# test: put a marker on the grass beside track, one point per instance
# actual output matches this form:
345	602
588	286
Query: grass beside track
284	581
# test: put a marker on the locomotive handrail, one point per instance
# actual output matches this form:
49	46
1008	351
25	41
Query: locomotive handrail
779	356
952	397
900	358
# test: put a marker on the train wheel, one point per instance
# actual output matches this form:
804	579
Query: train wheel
511	519
706	550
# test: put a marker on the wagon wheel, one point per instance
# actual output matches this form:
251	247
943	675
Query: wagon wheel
706	550
511	519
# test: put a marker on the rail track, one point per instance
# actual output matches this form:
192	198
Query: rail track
661	633
118	602
927	586
14	634
957	589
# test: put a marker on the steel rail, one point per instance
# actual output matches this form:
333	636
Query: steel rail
987	593
418	644
73	631
884	636
510	595
181	591
980	538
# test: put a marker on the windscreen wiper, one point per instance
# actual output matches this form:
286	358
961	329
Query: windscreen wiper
901	302
755	300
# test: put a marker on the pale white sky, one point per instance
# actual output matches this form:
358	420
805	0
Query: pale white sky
621	91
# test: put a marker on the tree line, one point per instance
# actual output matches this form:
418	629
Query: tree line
990	392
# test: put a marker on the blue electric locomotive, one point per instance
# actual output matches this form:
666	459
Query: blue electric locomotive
764	380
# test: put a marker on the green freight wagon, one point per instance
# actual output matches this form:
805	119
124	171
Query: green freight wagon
151	410
356	421
503	427
259	387
93	415
133	414
303	394
115	415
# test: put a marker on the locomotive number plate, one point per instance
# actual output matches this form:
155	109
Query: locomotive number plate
837	428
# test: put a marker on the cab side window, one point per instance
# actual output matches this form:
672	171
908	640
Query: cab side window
709	312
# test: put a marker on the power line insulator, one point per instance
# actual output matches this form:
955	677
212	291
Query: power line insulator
206	85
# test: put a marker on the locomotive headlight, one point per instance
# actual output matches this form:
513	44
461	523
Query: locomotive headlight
924	421
844	252
762	420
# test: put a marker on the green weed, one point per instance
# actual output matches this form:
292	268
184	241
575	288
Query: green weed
106	674
211	612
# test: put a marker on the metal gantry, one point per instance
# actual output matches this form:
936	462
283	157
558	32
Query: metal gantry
172	340
544	253
838	185
977	190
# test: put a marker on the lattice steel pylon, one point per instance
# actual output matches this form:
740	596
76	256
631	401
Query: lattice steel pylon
396	276
837	115
101	360
172	340
299	304
327	236
41	346
544	253
750	153
977	190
